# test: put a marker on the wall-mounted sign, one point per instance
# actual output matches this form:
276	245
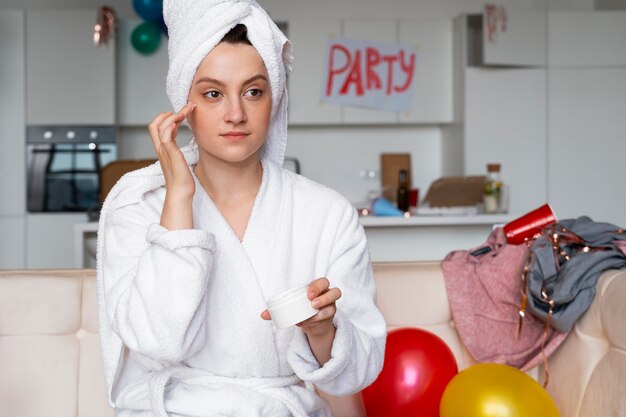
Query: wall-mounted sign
495	16
369	74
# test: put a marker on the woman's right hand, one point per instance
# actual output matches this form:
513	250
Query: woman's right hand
163	131
179	184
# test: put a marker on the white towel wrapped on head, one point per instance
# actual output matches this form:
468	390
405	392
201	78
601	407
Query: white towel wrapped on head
195	27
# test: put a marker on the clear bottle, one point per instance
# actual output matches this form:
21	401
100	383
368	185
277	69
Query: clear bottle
403	191
493	189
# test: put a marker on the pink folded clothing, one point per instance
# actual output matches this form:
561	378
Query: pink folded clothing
484	287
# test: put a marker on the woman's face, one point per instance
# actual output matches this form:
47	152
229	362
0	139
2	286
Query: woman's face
231	92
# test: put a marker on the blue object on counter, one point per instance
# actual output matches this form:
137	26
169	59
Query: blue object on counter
383	207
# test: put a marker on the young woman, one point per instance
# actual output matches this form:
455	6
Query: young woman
191	247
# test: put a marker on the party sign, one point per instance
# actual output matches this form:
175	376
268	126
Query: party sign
369	74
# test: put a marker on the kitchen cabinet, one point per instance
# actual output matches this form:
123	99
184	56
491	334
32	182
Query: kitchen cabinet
587	38
12	242
310	38
558	131
513	38
588	143
433	95
140	79
505	121
586	124
50	239
522	41
12	133
68	79
425	238
500	116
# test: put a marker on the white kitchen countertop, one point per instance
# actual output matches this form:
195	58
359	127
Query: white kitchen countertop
418	237
389	221
432	220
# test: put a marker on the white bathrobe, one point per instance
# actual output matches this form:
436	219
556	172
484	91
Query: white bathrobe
180	323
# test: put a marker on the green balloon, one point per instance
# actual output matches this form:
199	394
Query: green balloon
146	37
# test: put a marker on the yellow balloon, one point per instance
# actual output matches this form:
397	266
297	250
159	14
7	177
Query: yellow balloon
494	390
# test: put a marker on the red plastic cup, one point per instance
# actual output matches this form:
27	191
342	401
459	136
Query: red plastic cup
519	230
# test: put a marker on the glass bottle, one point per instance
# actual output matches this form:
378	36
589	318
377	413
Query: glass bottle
492	189
403	191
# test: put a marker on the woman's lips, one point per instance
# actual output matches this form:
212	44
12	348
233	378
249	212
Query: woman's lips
235	135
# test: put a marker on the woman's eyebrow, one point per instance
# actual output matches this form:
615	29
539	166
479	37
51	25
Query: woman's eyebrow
256	77
209	80
218	82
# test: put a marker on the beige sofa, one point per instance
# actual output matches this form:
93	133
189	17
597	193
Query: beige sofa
50	363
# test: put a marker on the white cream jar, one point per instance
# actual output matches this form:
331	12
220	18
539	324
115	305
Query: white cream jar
290	307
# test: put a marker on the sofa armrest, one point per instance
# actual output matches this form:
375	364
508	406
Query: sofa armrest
588	369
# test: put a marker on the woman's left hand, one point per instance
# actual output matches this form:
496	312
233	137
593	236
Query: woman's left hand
319	329
324	299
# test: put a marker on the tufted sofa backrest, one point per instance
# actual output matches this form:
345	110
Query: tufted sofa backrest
50	357
413	294
49	348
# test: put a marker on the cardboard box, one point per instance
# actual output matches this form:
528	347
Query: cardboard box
455	191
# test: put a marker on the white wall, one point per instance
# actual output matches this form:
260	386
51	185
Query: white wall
334	155
338	156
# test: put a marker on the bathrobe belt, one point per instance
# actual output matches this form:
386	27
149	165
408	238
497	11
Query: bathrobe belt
273	387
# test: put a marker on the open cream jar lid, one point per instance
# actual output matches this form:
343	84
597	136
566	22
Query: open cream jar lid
290	307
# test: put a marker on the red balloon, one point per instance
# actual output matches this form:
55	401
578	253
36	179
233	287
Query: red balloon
418	366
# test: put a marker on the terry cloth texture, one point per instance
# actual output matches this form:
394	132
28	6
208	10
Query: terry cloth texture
195	27
179	310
